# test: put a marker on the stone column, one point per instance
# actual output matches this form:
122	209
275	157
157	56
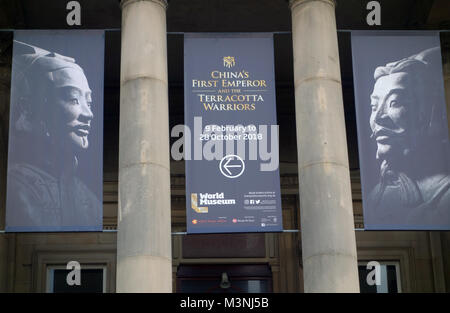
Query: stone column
144	262
327	229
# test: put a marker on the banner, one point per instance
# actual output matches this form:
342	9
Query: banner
402	130
232	176
55	157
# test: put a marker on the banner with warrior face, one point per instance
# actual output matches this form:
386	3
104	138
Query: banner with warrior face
402	130
55	157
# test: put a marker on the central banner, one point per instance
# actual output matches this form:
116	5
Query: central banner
232	175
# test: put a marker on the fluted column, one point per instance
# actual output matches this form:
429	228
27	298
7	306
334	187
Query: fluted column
327	228
144	262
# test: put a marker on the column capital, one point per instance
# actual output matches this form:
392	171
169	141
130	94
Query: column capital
162	3
294	3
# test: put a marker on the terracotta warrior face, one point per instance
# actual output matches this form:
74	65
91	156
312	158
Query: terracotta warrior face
70	100
392	104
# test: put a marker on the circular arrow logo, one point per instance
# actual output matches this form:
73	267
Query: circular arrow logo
232	166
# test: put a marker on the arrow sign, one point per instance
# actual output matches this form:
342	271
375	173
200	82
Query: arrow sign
225	166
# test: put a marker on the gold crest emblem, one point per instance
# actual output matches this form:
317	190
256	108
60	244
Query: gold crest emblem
228	62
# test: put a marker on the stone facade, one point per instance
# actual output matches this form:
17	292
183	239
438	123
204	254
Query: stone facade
139	174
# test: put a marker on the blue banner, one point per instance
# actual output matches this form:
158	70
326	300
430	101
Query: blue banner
232	175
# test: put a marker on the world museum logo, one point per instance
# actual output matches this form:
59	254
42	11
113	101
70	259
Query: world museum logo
198	204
